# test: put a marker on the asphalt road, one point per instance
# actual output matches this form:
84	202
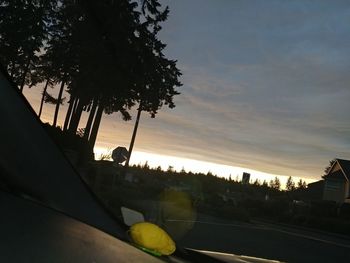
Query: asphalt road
269	241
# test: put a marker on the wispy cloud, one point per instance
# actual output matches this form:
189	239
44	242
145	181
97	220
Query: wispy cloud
266	83
266	86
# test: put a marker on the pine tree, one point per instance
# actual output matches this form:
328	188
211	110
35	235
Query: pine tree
327	169
23	31
301	184
105	54
290	185
275	183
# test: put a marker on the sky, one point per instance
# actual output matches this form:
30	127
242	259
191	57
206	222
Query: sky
266	89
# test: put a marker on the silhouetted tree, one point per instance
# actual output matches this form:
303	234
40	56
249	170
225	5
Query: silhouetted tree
146	166
90	119
265	184
64	47
170	169
290	185
301	184
275	183
142	65
327	169
105	54
256	182
23	31
157	75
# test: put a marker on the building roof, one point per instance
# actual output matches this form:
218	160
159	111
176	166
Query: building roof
316	184
336	175
345	166
343	173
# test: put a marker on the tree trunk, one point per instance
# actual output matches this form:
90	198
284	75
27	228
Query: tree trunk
12	70
58	104
72	103
24	76
96	126
90	119
134	135
42	98
75	119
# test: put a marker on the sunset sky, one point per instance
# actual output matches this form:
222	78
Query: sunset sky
266	90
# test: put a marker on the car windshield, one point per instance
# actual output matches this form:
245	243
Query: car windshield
224	123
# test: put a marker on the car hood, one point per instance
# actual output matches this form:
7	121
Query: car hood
232	258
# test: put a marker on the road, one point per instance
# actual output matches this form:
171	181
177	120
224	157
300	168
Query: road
269	241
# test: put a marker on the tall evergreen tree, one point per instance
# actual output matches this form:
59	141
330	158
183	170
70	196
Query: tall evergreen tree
23	31
290	185
328	168
157	75
301	184
105	54
275	183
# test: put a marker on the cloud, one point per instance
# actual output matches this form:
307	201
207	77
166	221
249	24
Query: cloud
266	86
266	83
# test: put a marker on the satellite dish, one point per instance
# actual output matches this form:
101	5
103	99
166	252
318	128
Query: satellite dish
120	154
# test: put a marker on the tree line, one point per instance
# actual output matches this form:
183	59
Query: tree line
274	184
106	54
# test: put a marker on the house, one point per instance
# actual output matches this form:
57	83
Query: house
337	182
314	191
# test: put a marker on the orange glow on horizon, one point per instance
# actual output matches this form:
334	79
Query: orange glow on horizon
195	166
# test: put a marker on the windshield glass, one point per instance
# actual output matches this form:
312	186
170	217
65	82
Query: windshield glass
225	123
